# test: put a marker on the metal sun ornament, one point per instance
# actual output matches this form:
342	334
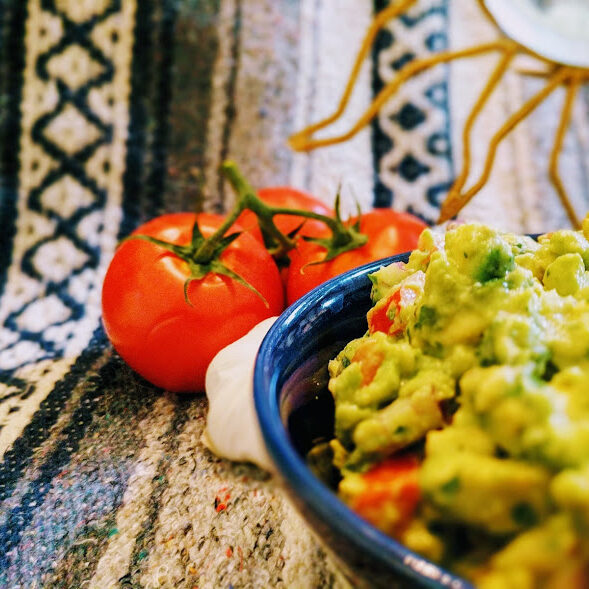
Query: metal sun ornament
528	27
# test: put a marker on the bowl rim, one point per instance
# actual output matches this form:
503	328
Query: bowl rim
291	467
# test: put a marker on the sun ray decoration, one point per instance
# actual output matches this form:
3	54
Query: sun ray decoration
557	74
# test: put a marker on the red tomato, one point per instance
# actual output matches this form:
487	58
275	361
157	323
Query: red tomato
164	338
389	232
390	487
385	316
381	318
284	196
370	357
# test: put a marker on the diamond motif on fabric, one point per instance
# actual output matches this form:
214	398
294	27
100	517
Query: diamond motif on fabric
409	116
57	258
82	10
74	66
411	168
35	316
71	131
66	196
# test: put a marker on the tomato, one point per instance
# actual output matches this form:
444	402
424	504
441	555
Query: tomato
389	232
370	357
286	197
391	487
382	316
385	316
167	340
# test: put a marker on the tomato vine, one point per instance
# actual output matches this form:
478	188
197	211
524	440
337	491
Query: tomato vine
203	254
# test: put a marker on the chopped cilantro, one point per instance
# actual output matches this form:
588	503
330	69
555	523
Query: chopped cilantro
452	486
497	263
427	316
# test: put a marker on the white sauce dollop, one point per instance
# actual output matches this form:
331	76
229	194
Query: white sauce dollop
232	429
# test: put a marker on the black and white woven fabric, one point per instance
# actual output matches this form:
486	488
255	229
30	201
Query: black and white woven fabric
114	111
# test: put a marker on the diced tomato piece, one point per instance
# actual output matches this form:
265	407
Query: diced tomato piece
379	316
384	316
370	360
391	491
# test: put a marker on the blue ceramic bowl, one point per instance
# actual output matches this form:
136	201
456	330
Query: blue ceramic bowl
295	409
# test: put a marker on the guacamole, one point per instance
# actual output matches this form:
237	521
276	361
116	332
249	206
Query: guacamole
462	415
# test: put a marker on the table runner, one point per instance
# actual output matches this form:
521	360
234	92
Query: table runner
114	111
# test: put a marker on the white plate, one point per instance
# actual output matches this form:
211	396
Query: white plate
557	30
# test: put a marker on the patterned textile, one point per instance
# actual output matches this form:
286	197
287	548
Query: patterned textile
116	110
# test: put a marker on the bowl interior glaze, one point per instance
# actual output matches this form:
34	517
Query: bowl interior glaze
295	410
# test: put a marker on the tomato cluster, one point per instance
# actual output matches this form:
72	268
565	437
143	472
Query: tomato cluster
168	310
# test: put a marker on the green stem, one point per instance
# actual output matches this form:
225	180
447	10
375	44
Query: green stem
247	194
343	238
329	221
247	198
207	250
